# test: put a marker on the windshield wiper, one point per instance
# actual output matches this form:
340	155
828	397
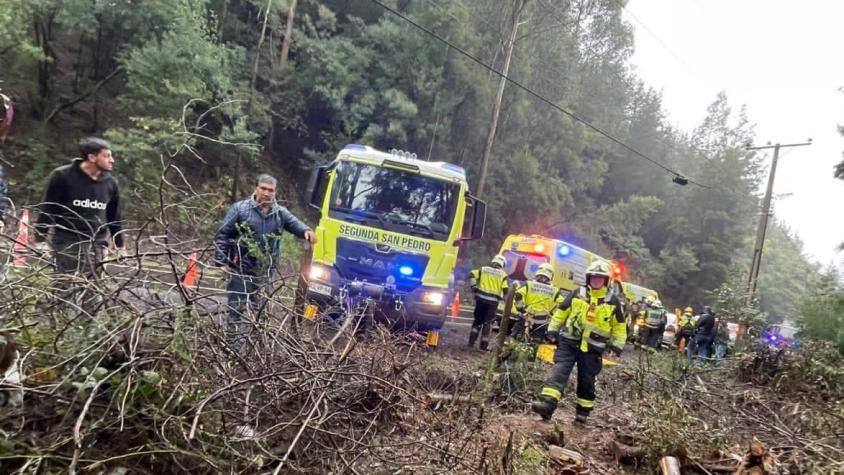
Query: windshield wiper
364	213
415	227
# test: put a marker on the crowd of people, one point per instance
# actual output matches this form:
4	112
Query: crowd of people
81	213
587	325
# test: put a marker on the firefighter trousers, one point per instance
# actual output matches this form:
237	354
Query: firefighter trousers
651	337
567	356
484	314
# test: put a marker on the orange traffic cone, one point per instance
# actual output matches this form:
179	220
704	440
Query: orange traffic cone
455	305
19	253
190	272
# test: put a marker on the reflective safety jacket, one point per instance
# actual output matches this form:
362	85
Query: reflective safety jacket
538	299
655	318
686	325
589	317
489	283
640	318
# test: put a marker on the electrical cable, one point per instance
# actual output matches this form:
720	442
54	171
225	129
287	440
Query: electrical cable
572	115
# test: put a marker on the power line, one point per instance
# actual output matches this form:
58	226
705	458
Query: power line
678	177
659	40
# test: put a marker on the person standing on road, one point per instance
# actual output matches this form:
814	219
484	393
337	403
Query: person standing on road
685	330
248	247
81	206
489	283
535	301
704	334
655	321
589	322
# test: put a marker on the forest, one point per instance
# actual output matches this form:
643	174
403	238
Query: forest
197	97
283	86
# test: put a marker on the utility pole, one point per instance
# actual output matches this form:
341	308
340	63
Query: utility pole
518	6
762	228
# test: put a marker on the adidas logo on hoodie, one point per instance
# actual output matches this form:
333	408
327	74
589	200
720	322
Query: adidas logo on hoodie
89	203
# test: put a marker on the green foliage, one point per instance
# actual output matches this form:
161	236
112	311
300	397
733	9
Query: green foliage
186	96
786	276
734	303
822	312
184	63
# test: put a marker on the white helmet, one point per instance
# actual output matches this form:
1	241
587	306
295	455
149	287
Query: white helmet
545	270
598	268
499	260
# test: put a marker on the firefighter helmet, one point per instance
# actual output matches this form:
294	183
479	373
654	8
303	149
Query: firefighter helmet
688	311
499	261
598	268
545	270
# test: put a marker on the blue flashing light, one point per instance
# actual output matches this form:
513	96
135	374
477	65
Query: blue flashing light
354	146
564	250
406	270
454	168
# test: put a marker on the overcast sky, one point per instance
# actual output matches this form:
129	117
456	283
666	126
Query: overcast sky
783	59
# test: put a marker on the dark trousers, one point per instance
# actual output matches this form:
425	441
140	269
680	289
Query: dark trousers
78	257
537	329
567	356
244	301
78	262
651	336
699	345
484	314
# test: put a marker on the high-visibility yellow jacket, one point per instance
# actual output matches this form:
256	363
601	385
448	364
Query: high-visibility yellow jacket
686	324
591	318
640	318
537	298
488	283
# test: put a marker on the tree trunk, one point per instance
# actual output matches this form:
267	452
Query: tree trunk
258	54
288	35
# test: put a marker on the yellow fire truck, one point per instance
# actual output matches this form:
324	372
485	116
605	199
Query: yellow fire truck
388	234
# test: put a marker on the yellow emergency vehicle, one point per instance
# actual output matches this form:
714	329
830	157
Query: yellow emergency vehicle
388	233
524	254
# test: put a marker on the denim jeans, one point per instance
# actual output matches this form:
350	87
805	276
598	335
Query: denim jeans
698	345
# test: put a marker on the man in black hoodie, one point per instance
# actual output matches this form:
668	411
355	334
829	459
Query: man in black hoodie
81	206
704	334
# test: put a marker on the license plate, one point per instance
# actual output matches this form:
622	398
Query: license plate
320	288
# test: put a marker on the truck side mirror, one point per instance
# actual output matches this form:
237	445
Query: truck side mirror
315	191
474	220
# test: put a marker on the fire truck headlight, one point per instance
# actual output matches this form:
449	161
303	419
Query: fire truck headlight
433	298
318	272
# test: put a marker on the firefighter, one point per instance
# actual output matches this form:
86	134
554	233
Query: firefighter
589	322
640	319
655	321
489	283
685	329
535	301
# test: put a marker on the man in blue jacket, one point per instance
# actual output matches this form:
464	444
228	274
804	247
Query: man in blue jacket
248	246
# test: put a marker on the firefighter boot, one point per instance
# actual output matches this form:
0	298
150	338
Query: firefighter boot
580	418
544	406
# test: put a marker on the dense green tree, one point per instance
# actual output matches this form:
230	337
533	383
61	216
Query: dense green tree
822	311
198	84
